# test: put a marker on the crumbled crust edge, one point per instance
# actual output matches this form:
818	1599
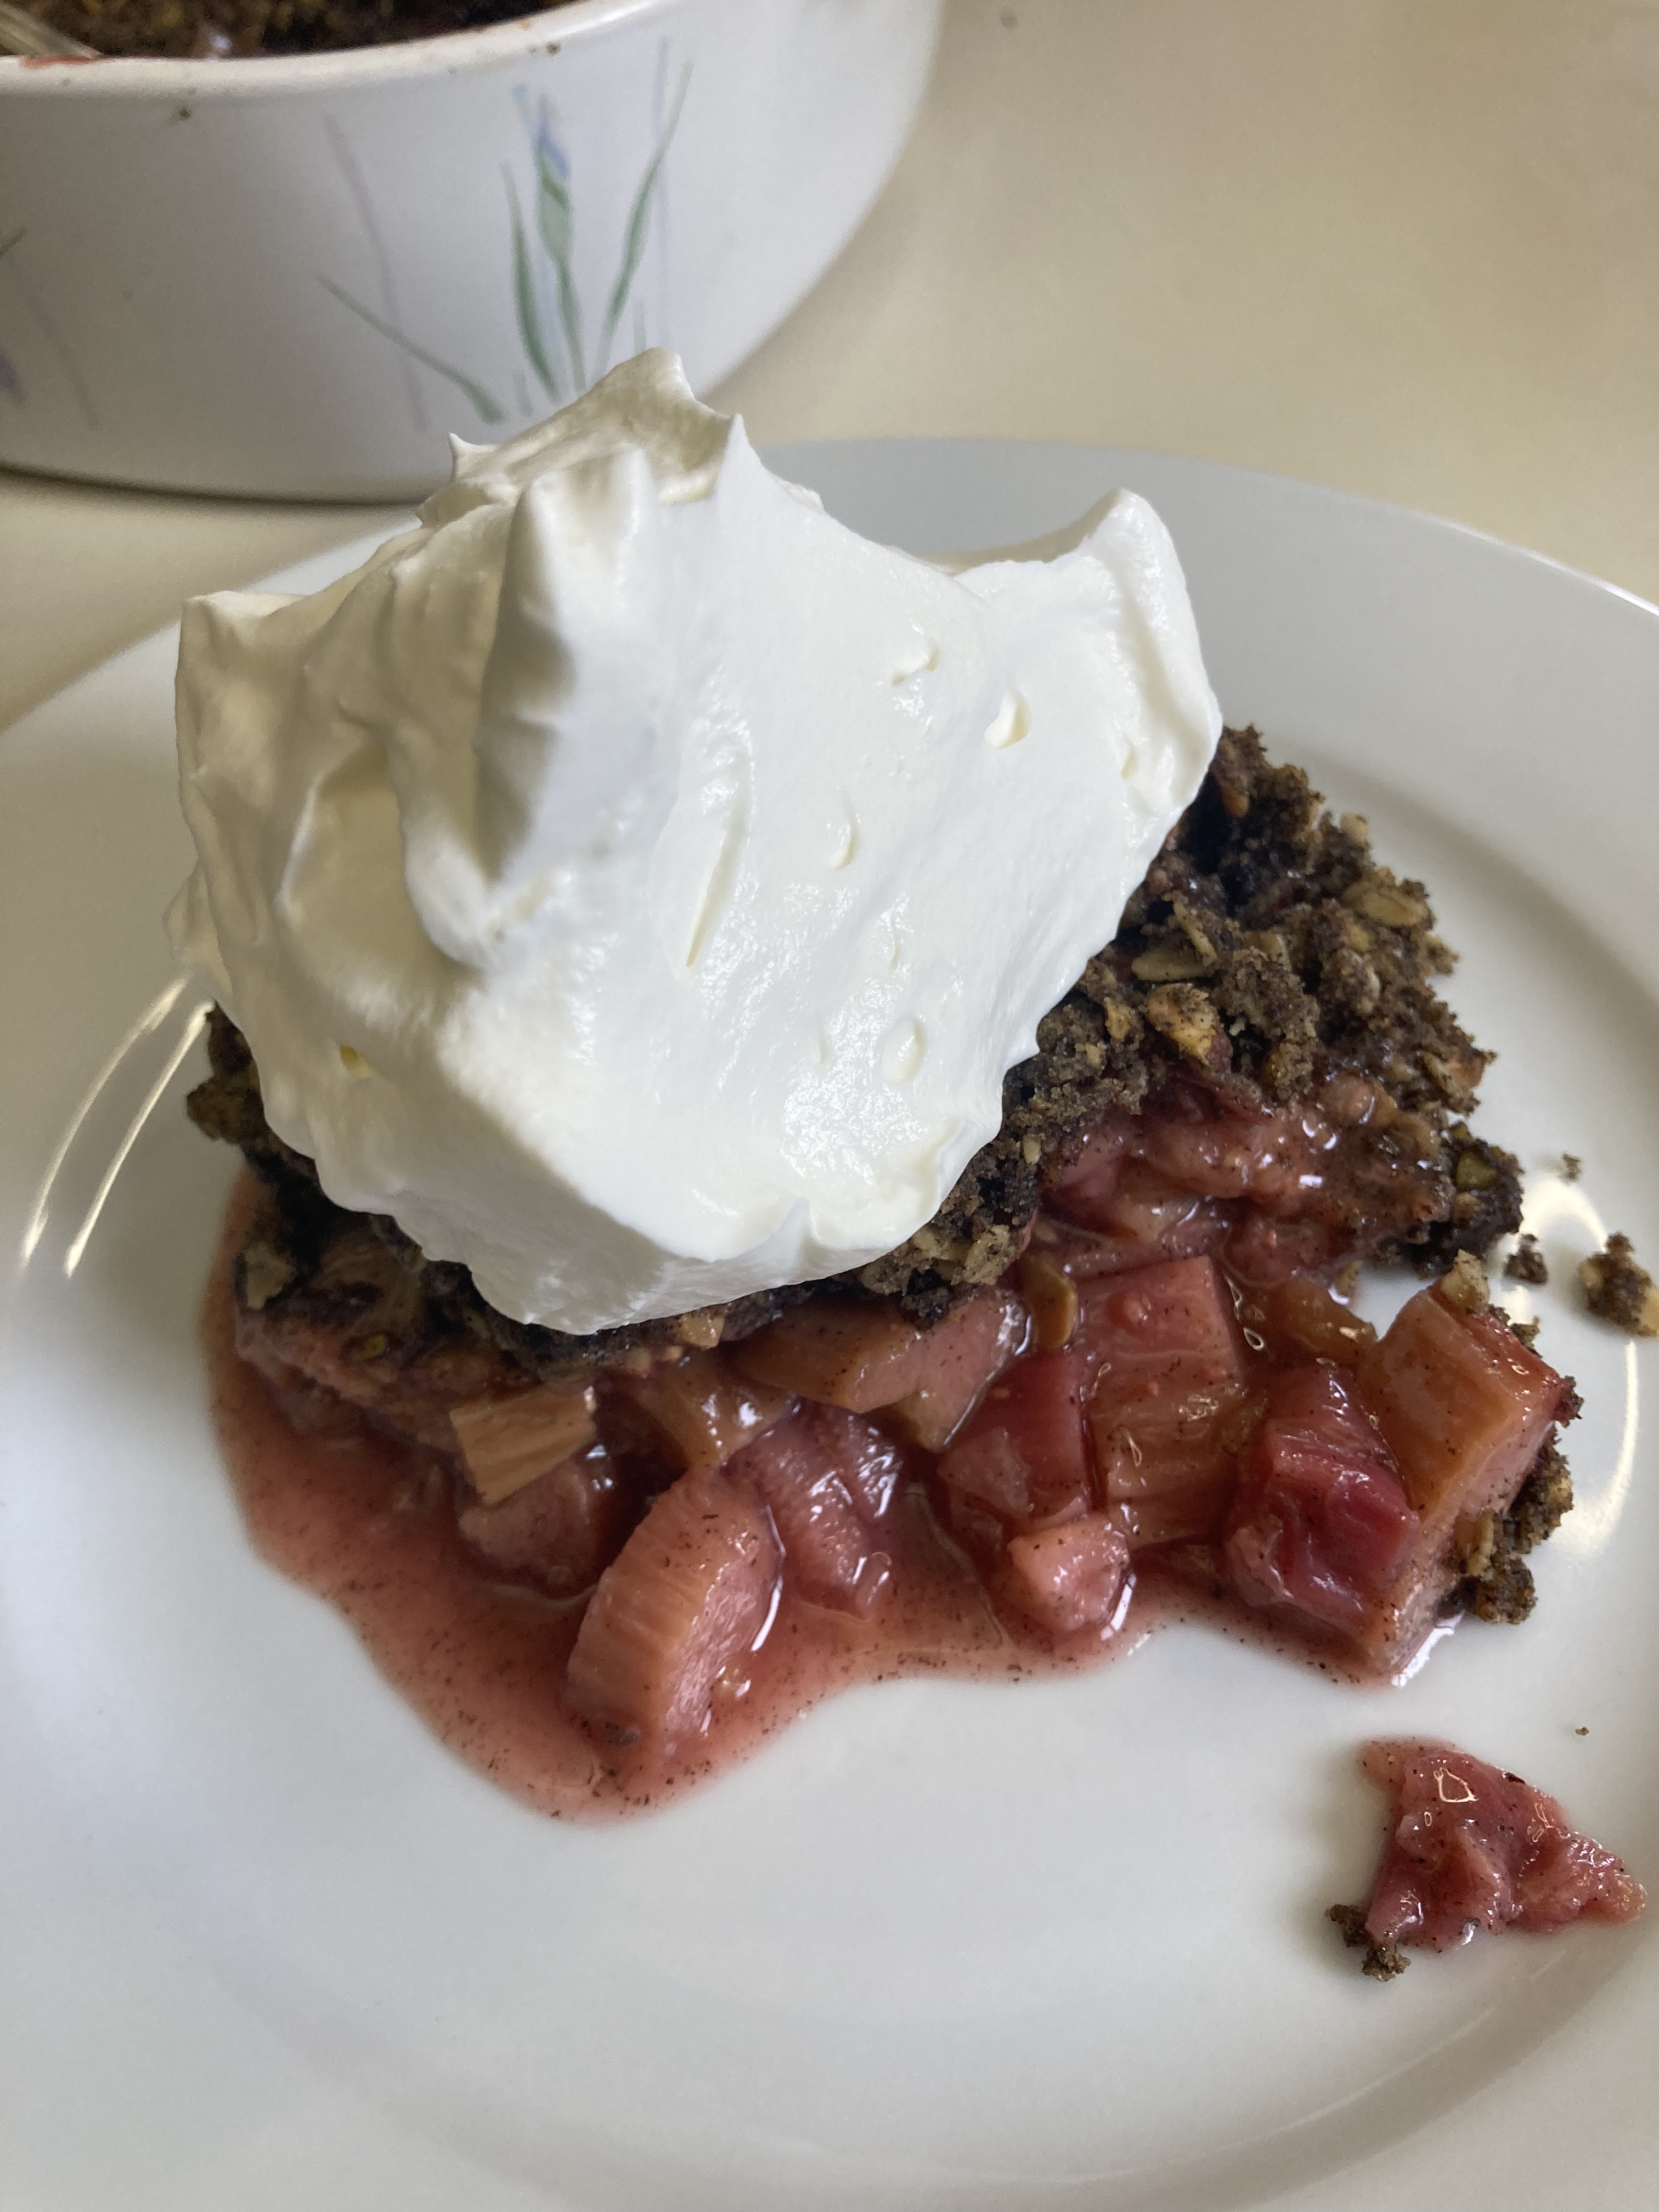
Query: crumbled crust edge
1496	1585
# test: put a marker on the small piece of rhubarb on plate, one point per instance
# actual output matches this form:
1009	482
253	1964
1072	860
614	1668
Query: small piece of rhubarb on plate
1469	1847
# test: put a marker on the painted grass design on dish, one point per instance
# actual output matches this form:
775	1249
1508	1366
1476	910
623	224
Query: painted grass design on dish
47	325
524	298
556	235
488	410
639	225
10	383
546	294
547	303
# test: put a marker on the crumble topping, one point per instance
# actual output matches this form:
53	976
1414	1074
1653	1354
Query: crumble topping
1265	951
1617	1290
1265	954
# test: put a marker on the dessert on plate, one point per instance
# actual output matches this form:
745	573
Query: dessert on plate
812	1115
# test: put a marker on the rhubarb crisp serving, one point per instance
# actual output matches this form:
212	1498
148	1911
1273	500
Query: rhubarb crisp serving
838	1152
1124	1350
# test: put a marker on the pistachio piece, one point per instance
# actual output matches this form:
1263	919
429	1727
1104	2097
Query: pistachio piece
1474	1171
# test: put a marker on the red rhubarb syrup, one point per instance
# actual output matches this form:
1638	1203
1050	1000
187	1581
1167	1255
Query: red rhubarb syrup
1161	1412
365	1521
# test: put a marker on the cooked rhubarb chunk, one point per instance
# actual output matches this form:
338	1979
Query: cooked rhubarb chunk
1320	1527
1272	1158
1469	1847
1464	1406
558	1531
1170	1367
1142	1219
1302	1320
698	1411
829	1478
870	1464
1090	1182
1070	1577
690	1593
960	1356
313	1366
510	1440
1260	1251
1023	1454
851	1352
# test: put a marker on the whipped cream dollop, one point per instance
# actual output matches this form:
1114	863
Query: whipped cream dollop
637	884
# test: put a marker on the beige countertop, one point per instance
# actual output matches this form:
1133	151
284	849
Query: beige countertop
1407	247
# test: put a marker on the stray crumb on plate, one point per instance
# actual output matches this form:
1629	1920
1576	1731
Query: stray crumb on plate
1571	1167
1617	1290
1526	1264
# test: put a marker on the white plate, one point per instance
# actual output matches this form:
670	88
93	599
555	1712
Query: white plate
942	1946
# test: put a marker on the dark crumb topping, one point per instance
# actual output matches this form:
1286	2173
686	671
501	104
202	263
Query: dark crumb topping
1498	1584
1526	1264
1381	1961
216	30
1617	1290
1264	952
1571	1167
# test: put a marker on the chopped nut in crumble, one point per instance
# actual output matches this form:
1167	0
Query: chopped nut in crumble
1465	1285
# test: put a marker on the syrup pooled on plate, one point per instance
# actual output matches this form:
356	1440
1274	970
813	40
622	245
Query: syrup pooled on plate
596	1594
368	1520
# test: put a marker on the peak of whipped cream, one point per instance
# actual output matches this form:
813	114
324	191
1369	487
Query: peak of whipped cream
637	884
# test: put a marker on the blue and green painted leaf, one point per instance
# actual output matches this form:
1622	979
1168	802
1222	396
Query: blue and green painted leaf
546	298
639	223
523	300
